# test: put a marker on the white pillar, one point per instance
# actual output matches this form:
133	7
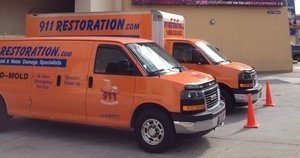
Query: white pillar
98	5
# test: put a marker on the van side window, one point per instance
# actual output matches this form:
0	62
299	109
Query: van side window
111	59
186	53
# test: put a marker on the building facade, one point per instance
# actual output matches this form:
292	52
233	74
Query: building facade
12	13
247	34
255	35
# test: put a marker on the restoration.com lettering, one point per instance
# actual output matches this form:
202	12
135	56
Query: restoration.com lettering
87	25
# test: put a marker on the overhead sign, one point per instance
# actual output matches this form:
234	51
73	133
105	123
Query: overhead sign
275	3
88	24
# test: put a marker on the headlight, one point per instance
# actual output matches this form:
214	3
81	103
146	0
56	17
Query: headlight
247	79
192	95
244	76
191	87
192	100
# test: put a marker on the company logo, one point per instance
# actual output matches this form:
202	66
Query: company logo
88	24
109	93
213	97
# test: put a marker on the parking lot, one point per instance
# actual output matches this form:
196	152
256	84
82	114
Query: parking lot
277	136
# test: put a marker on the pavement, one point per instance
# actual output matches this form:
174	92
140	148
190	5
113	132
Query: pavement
277	136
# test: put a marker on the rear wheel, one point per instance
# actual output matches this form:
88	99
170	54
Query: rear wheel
154	131
227	98
4	118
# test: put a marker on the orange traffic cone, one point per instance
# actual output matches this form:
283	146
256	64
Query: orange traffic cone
269	101
251	123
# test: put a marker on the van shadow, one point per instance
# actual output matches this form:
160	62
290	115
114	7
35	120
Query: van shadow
69	132
99	137
239	114
196	146
236	115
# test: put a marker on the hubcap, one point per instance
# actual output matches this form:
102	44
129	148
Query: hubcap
152	131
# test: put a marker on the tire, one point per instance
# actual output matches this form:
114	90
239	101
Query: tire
227	98
154	131
4	118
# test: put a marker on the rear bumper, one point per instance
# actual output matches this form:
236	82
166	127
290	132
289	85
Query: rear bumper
241	95
194	123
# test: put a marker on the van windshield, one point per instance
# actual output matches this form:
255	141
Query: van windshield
212	53
154	59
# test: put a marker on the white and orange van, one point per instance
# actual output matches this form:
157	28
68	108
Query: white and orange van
236	80
107	81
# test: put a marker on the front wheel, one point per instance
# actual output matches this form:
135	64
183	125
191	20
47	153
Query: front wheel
154	131
227	98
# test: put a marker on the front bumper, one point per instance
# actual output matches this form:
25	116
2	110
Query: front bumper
203	121
241	95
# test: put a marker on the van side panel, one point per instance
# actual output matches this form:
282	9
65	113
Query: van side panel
70	93
15	80
149	91
42	88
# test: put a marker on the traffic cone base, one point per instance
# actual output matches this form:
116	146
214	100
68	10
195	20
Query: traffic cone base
269	101
251	122
252	126
270	105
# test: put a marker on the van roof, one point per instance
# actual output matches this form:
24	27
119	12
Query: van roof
123	40
194	40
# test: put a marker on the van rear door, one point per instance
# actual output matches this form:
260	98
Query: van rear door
112	78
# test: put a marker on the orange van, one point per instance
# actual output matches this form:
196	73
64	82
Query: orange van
236	80
107	81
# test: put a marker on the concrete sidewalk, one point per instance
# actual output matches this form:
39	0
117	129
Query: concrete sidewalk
293	77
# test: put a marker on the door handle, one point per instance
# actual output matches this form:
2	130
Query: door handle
58	80
90	84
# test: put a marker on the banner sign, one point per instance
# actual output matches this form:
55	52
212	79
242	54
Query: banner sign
274	3
89	25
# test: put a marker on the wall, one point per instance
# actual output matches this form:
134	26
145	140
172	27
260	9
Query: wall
245	34
82	5
12	12
97	5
